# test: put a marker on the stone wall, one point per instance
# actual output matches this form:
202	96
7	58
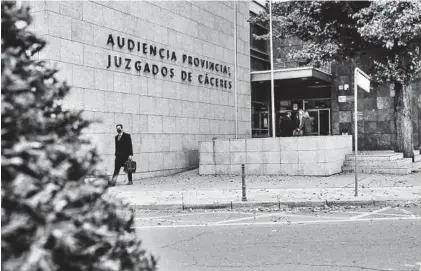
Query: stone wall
310	156
376	127
165	115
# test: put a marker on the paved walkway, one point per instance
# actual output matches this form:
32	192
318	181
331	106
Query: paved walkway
191	190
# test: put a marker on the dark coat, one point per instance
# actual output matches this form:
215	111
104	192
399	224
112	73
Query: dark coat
287	126
123	147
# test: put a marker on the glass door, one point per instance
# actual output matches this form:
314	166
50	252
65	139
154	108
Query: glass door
324	121
315	120
260	120
318	109
320	120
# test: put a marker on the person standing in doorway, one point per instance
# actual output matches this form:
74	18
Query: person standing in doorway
307	124
299	119
279	126
287	125
123	152
298	129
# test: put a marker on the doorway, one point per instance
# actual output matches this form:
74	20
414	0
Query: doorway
318	109
321	121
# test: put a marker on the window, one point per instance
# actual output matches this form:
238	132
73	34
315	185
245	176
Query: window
259	49
259	45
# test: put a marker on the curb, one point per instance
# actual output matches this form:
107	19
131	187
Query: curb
266	204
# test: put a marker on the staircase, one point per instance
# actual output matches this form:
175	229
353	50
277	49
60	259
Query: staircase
382	162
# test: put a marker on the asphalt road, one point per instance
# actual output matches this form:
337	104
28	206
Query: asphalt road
347	239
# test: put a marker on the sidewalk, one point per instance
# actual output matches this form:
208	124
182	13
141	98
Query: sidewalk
189	190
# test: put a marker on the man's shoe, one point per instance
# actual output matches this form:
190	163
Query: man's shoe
130	183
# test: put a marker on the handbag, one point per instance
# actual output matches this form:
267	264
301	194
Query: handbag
130	166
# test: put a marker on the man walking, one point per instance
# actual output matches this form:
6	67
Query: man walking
123	152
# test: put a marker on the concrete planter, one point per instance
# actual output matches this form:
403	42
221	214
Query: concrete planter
308	156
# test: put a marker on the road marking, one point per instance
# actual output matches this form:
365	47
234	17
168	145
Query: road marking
282	214
406	212
324	221
173	215
414	266
175	220
397	215
328	217
178	217
188	214
247	218
370	213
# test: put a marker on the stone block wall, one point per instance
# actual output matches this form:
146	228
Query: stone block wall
167	115
376	126
310	156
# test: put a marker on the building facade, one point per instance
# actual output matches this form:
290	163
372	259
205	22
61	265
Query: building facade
327	93
163	69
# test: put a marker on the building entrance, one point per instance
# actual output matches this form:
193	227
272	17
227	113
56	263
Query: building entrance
321	121
304	88
318	109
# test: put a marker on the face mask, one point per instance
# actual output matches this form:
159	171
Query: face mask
118	130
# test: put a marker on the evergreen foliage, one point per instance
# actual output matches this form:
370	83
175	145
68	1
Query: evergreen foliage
52	218
386	34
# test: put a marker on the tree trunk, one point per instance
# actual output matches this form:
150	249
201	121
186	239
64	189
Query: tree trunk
403	121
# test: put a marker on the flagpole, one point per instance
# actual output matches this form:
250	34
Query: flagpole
235	70
272	87
356	130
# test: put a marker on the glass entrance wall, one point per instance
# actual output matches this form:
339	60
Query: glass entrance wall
318	109
260	120
291	95
325	122
260	110
314	116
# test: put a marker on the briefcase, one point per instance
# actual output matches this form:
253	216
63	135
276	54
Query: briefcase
297	132
130	166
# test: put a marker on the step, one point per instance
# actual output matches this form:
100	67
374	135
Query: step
416	152
404	162
417	158
416	166
379	156
395	171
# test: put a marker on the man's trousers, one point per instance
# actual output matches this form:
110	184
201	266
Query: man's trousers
118	163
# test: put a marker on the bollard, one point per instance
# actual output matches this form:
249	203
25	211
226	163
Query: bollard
243	179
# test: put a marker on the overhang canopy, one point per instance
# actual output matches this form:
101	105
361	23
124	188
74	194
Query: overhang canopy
291	73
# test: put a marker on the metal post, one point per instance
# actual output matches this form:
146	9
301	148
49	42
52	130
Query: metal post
272	87
235	70
243	180
356	131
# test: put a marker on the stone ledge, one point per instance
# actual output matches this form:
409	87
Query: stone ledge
308	156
